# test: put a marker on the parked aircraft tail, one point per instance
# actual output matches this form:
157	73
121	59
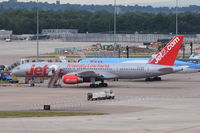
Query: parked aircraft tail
168	54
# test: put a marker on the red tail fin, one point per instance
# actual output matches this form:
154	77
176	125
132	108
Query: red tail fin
168	54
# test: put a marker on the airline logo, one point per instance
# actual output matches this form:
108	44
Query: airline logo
37	71
168	54
164	51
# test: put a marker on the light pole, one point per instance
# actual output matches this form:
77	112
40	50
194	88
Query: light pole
115	24
115	29
37	32
183	46
176	17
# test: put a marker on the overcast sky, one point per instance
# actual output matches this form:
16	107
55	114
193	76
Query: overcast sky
170	3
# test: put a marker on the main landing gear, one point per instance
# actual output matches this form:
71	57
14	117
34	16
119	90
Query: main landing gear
153	79
102	84
98	85
32	83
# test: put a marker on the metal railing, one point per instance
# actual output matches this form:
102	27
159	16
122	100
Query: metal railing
135	38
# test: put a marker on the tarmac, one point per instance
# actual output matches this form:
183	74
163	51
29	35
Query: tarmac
15	50
169	106
12	51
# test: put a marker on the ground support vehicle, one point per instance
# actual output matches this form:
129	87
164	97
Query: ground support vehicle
106	94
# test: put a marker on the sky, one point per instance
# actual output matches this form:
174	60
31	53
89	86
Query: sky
155	3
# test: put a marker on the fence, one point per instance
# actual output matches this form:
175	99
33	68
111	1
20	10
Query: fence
136	38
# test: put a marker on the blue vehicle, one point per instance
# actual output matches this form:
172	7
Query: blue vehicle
5	77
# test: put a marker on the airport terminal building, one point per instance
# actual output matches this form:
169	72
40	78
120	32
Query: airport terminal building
59	31
5	34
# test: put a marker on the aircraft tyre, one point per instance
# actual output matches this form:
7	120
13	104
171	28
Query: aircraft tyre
153	79
32	85
157	79
94	85
148	79
91	85
103	84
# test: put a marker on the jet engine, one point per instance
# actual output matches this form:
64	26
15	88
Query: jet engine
71	79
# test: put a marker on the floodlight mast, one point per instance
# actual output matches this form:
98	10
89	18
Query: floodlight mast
176	17
115	29
37	32
115	23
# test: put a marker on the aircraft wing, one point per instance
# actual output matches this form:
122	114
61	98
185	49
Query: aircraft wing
94	74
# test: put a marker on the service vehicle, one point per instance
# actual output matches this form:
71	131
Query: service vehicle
106	94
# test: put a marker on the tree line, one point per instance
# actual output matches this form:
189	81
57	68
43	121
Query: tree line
8	5
24	22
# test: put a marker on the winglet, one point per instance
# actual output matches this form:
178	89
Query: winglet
168	54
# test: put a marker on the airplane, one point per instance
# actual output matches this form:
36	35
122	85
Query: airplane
193	61
189	65
74	73
194	56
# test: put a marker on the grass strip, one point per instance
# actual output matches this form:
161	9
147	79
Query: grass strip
17	114
3	82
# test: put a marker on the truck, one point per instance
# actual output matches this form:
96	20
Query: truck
5	77
8	77
14	80
106	94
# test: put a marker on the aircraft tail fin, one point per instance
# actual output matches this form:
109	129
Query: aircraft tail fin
168	54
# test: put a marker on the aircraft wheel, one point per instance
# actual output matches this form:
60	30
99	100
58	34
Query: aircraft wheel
148	79
105	85
96	85
157	79
32	85
91	85
101	85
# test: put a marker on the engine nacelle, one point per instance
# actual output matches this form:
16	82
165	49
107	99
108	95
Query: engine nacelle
71	79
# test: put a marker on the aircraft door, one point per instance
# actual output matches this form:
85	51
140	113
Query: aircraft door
117	71
117	68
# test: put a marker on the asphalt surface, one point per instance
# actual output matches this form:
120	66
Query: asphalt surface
15	50
168	106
